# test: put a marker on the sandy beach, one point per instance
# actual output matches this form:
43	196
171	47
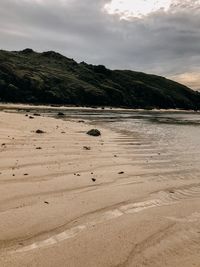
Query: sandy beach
74	200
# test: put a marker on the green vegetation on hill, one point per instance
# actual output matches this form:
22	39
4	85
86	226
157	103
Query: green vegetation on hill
50	78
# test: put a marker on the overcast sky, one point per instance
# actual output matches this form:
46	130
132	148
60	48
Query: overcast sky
154	36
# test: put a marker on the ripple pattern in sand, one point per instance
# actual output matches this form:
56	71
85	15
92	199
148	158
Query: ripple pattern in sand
165	198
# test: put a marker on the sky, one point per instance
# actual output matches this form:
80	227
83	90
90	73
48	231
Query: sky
153	36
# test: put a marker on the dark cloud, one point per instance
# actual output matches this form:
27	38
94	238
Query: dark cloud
165	43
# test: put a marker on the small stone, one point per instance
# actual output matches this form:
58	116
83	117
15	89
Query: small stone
38	147
120	172
39	131
61	114
46	202
94	132
93	179
31	117
36	114
87	147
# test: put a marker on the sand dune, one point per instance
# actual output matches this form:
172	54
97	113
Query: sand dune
141	209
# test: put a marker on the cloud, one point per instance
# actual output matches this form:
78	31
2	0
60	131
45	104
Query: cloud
164	42
189	78
127	9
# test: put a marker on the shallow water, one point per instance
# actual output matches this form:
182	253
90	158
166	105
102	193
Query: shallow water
155	139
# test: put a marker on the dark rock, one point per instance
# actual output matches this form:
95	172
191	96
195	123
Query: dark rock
36	114
46	202
93	179
31	117
81	121
120	172
61	114
87	147
39	131
38	147
94	132
25	174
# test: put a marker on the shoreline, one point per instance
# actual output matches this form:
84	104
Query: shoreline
67	108
69	198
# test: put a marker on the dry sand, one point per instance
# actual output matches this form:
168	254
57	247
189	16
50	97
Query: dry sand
53	214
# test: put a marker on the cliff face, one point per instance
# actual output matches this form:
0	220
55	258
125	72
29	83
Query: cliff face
30	77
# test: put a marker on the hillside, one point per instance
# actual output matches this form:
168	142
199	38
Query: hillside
50	78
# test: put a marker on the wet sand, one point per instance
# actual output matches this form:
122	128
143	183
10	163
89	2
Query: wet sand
62	204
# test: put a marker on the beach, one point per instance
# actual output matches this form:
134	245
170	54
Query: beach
70	199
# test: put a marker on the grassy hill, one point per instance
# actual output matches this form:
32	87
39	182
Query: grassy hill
50	78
